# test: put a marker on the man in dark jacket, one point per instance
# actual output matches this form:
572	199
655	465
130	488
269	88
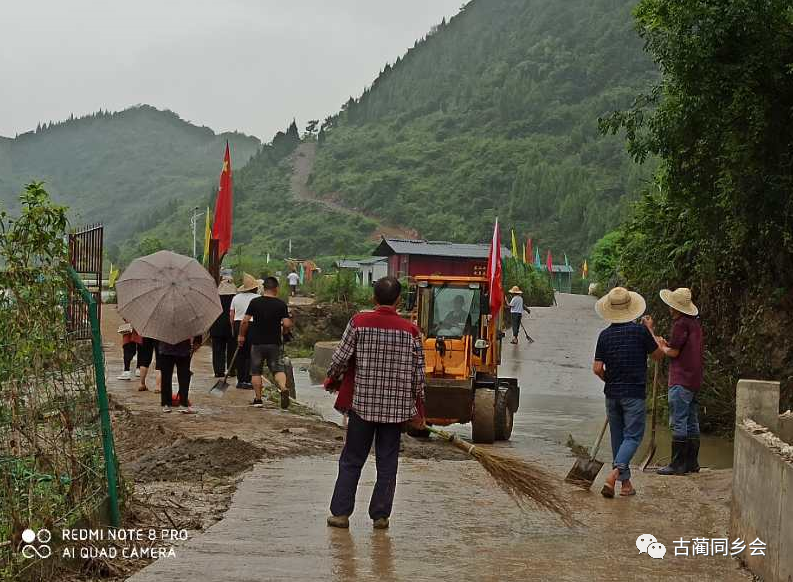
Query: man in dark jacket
223	341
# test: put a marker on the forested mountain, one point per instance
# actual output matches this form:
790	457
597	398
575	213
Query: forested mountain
126	169
496	113
267	214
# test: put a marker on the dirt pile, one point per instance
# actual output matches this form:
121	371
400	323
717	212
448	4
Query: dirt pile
191	459
320	322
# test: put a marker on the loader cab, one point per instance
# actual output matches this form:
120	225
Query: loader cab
453	315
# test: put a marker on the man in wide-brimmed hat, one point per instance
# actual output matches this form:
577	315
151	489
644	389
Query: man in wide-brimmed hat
248	291
516	309
621	362
684	349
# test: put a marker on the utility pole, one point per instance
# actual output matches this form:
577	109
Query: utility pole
194	223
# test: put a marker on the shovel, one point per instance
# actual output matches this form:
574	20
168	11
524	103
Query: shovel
220	387
526	333
585	471
651	448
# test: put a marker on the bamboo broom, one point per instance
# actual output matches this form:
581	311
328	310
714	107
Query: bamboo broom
521	481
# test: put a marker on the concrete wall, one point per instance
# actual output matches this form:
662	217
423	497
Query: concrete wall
762	488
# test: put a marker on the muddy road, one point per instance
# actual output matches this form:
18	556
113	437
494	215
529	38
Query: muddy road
449	522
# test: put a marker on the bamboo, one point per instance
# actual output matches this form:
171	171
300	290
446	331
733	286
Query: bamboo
521	481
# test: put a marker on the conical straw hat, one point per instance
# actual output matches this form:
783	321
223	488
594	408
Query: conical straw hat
516	290
249	283
620	305
680	299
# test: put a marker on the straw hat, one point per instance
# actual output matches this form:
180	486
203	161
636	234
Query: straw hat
620	305
516	290
680	299
249	283
227	287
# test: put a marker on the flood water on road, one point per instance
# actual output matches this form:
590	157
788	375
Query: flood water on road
559	394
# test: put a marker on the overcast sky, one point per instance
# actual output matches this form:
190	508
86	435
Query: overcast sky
249	65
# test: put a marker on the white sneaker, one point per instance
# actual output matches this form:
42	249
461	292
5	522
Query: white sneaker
187	410
126	375
166	409
137	372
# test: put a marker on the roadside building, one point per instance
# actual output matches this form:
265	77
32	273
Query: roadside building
562	278
409	258
368	270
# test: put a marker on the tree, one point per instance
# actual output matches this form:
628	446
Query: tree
311	127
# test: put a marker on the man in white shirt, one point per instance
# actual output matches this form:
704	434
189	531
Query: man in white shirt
516	309
239	306
294	280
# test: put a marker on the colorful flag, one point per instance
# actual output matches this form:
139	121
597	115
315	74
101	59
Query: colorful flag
112	276
566	262
207	237
524	255
302	273
585	270
494	272
514	246
549	263
221	226
529	252
537	261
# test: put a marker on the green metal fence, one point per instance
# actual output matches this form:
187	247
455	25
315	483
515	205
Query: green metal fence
58	465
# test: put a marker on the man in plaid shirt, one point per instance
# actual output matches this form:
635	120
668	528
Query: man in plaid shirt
384	354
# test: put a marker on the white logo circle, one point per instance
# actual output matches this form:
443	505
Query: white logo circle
28	536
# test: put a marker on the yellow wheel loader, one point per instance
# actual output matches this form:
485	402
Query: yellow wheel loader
462	350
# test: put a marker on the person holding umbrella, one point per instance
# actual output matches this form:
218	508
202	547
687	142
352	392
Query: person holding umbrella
170	299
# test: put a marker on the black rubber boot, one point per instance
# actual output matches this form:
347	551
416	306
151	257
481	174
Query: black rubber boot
692	458
678	464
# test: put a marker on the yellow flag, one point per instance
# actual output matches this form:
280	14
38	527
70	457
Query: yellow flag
514	245
524	253
112	277
585	271
207	236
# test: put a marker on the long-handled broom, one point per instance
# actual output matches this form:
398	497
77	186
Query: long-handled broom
521	481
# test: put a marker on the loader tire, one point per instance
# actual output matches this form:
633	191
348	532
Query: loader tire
504	417
483	422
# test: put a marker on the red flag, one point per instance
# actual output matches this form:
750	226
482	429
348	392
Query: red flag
221	226
549	264
529	251
494	272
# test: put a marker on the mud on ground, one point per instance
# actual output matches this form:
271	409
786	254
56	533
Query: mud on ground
181	471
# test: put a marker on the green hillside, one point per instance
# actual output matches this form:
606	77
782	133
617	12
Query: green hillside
495	113
126	169
267	214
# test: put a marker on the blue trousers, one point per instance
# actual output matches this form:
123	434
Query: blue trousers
360	434
683	413
626	426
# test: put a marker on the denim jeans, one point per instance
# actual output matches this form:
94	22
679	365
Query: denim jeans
683	413
360	434
626	426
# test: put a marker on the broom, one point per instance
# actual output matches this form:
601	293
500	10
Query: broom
521	481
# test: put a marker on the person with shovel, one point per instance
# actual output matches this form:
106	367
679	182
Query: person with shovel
266	319
621	362
387	391
684	349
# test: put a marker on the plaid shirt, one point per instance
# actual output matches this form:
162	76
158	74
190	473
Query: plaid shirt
387	355
623	348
